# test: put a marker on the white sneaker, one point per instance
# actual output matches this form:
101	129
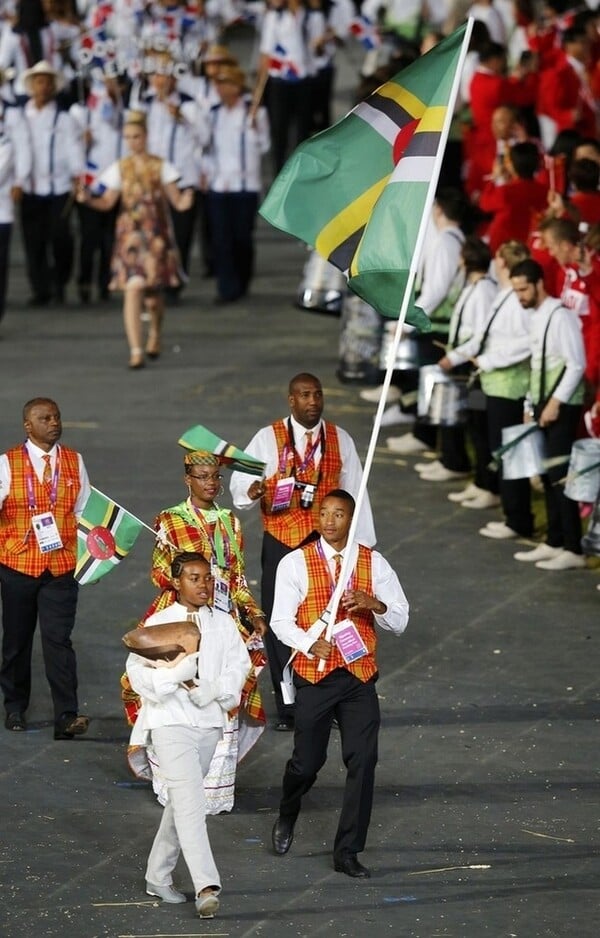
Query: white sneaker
373	395
394	416
484	500
541	552
426	466
469	492
406	445
565	560
496	524
166	893
598	586
500	531
441	474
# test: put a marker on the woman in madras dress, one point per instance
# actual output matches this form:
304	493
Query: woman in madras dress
198	524
145	261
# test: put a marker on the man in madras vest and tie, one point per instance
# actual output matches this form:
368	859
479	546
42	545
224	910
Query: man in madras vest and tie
304	458
43	487
335	679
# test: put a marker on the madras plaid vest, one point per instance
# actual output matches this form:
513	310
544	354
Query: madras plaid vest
292	525
18	547
319	594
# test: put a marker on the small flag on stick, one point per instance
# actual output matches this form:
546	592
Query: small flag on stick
105	535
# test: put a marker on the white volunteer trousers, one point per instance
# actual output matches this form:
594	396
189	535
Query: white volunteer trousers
184	754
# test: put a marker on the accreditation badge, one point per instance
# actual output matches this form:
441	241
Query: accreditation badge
348	641
282	497
221	594
46	532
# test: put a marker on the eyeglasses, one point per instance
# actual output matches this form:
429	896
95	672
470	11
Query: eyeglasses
215	477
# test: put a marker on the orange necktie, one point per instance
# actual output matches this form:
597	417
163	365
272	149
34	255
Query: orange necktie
338	566
47	477
310	465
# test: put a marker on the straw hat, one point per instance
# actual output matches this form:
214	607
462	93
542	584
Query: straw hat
217	53
232	74
41	68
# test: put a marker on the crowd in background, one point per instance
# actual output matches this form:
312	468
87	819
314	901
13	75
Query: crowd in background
522	167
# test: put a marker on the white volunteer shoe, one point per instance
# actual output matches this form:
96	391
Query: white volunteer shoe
484	500
406	445
426	466
470	491
441	474
394	416
500	531
541	552
565	560
373	395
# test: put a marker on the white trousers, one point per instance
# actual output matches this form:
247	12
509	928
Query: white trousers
184	753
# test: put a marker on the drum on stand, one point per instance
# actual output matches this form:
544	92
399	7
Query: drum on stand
322	285
442	401
360	341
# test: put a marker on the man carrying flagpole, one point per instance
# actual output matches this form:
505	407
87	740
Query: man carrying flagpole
335	678
43	488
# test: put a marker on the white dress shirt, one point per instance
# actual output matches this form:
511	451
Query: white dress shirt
233	161
222	659
469	316
15	157
284	30
507	341
440	266
37	461
178	139
263	446
58	154
291	589
564	344
103	119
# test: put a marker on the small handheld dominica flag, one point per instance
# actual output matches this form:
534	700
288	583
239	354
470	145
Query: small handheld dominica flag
105	535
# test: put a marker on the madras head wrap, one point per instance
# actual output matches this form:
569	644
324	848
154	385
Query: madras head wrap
201	457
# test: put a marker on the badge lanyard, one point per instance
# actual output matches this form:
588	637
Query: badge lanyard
321	554
308	455
31	503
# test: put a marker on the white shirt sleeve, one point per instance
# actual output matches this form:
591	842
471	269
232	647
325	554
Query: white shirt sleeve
111	177
565	337
168	173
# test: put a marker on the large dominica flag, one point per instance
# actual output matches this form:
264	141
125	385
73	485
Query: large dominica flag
357	191
200	437
105	535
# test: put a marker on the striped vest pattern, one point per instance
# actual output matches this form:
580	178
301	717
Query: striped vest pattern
292	525
319	593
18	547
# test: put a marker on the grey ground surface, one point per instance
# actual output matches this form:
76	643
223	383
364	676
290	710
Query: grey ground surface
486	810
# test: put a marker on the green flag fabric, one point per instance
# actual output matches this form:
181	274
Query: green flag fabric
356	192
105	535
200	437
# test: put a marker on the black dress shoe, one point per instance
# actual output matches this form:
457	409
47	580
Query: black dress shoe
284	726
282	835
15	721
351	867
70	725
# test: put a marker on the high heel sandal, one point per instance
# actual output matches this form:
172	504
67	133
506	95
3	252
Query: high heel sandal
153	346
136	358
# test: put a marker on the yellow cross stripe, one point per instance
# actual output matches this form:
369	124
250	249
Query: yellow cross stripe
403	97
432	120
349	220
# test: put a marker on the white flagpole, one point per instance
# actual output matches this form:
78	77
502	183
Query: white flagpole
414	265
